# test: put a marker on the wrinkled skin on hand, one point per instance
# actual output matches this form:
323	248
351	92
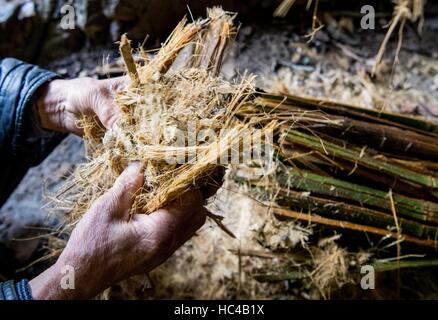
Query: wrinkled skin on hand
106	246
62	103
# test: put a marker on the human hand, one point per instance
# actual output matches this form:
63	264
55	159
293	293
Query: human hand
61	103
106	247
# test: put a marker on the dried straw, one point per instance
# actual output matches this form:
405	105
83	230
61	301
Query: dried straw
171	94
404	10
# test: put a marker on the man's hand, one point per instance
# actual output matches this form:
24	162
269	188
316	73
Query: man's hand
61	103
106	247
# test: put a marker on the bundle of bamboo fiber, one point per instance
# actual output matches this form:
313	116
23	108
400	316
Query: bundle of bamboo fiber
176	118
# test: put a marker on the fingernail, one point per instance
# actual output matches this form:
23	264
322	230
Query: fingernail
133	167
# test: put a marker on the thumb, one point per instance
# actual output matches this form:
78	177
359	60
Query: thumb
120	196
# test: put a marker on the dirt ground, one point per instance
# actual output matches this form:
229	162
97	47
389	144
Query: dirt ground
335	65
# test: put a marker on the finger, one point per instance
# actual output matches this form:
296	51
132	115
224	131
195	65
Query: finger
209	190
214	182
181	233
190	226
107	110
193	215
168	229
190	203
120	197
176	213
170	221
117	84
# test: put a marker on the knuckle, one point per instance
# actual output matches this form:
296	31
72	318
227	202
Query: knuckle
106	203
118	83
88	82
100	205
105	114
124	187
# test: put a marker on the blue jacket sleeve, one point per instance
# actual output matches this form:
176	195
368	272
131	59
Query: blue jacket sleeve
20	147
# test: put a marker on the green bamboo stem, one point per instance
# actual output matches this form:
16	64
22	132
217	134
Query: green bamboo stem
354	155
341	210
383	137
380	266
355	112
346	225
352	213
405	206
319	163
386	139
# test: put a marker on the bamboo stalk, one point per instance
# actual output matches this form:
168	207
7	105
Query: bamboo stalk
354	112
357	156
408	207
209	55
387	139
352	226
341	210
126	52
380	266
331	208
321	164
